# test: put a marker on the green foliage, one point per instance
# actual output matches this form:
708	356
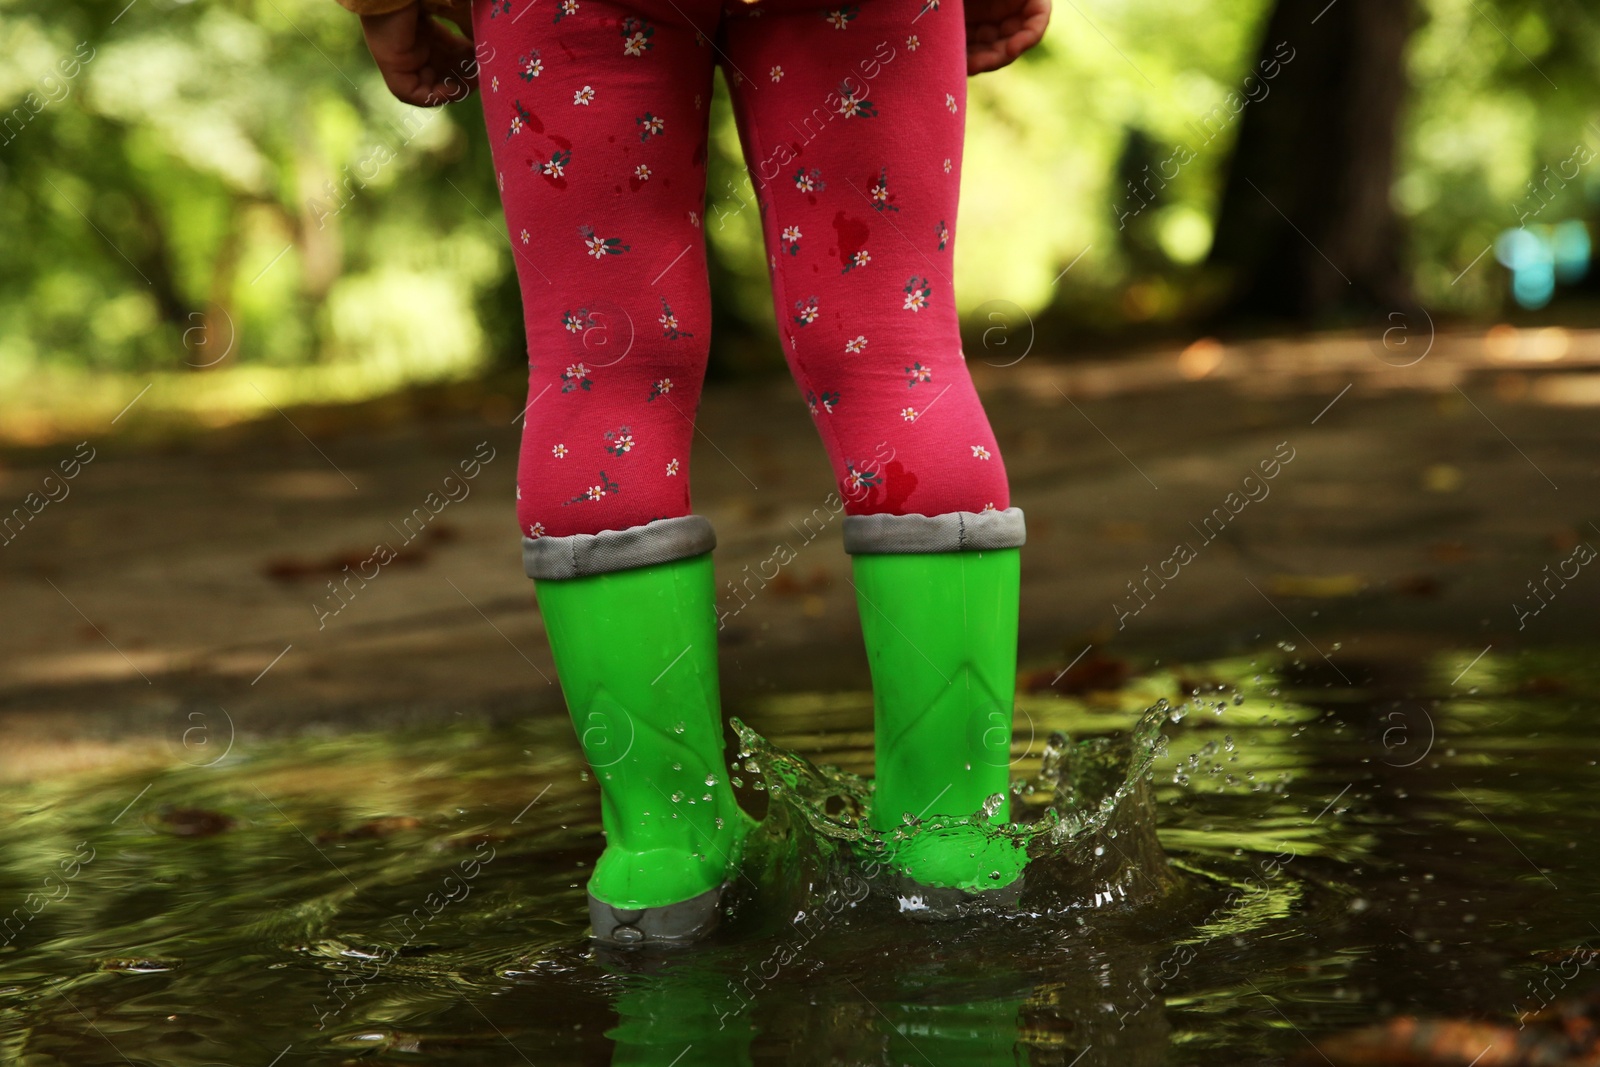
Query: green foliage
220	184
228	183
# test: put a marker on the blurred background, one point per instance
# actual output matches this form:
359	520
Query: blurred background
221	198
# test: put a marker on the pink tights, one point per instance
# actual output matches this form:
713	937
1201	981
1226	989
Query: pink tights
851	120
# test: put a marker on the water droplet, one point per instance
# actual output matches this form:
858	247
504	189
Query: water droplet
678	728
711	779
677	766
677	797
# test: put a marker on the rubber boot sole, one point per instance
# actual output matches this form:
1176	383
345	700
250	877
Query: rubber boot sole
682	923
927	903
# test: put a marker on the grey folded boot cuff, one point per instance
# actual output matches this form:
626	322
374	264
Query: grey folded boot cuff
580	555
956	531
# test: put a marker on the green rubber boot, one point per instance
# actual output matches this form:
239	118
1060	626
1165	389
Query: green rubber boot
941	636
636	654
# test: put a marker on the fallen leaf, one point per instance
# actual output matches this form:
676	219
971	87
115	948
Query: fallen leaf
192	822
1417	585
1094	673
380	827
295	568
1450	551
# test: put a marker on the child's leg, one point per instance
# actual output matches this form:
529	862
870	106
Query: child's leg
597	113
852	120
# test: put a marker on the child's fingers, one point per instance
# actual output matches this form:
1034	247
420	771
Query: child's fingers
454	61
994	44
460	13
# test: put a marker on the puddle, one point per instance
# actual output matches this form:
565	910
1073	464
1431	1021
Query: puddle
1272	857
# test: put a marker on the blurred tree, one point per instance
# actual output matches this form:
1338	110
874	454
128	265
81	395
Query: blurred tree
227	186
1306	228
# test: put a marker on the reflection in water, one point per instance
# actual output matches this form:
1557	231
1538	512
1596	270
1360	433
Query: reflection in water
1270	857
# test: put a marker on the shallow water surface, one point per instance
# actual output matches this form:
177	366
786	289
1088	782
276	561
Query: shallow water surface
1274	855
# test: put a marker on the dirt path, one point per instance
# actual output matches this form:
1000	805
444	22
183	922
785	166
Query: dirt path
178	585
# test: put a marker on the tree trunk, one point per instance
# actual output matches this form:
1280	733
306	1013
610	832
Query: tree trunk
1306	229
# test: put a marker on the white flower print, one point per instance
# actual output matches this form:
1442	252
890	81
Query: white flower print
624	443
569	7
917	292
494	83
697	101
595	492
536	530
777	74
672	468
909	414
583	96
598	246
947	166
839	18
500	179
694	219
525	236
857	346
861	258
950	102
912	43
791	233
989	506
979	452
634	45
532	67
559	451
642	172
576	376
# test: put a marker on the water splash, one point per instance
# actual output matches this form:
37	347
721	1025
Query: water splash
1086	818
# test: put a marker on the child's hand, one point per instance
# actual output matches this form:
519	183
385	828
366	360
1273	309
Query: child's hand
422	62
999	31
